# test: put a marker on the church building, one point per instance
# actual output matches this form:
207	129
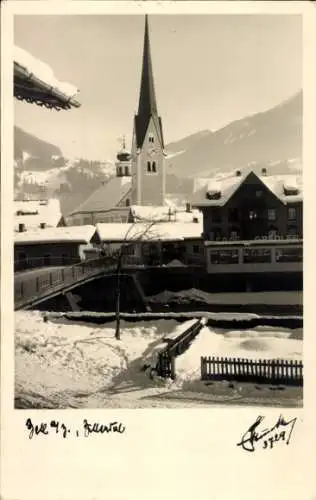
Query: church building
140	175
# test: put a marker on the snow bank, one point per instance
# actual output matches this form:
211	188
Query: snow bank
180	329
54	357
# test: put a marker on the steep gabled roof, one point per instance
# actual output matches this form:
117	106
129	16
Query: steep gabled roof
147	106
106	197
229	185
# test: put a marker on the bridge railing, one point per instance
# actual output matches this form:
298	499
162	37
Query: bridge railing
32	287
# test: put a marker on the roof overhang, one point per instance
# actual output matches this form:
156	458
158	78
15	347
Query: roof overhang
30	88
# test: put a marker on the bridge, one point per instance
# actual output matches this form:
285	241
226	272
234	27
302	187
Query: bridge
38	285
34	286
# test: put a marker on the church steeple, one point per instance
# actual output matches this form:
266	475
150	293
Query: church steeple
147	107
148	156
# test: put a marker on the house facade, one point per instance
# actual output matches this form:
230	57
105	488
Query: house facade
159	244
51	247
253	224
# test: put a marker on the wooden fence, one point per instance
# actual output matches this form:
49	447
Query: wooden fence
275	371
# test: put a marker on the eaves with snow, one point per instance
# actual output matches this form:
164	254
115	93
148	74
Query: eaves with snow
35	82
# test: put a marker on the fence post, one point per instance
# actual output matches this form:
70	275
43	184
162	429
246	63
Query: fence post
63	275
50	278
158	366
73	272
173	367
22	289
202	368
273	372
37	283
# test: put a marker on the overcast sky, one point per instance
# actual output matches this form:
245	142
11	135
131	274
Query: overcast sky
208	70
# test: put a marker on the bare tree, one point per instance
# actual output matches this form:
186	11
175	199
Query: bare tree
144	233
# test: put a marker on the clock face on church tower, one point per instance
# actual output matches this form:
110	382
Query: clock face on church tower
151	151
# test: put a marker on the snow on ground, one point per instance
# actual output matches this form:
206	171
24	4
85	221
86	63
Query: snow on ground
54	357
59	360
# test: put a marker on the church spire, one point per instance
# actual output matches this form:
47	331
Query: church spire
147	107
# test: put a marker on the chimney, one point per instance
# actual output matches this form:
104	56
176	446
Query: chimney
21	228
238	173
188	207
263	171
42	225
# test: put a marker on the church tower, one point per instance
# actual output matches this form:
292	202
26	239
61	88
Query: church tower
148	169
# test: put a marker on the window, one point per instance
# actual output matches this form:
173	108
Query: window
151	139
224	256
272	233
271	214
258	194
65	259
148	166
154	167
257	255
126	171
233	215
291	231
196	248
86	221
289	254
47	259
22	257
216	215
234	235
291	213
252	214
128	250
215	195
127	202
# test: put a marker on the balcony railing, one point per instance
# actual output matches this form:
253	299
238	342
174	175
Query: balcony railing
37	262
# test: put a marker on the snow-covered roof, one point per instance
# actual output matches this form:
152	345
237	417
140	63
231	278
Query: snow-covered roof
33	213
164	213
106	197
229	185
74	234
34	81
162	231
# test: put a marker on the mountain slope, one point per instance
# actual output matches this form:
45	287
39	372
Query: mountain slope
272	139
33	147
264	138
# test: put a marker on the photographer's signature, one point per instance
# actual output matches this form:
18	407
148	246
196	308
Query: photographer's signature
267	437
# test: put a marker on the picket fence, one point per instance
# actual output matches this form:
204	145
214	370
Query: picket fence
275	371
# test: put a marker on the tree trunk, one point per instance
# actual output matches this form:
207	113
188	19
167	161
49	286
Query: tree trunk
117	298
